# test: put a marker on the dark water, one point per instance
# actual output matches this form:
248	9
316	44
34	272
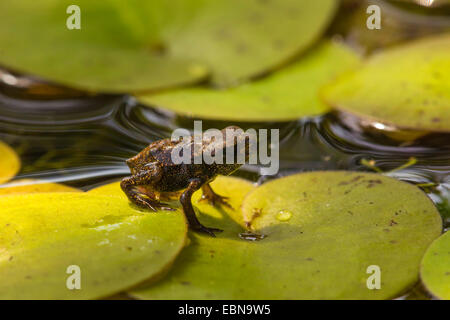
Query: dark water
83	142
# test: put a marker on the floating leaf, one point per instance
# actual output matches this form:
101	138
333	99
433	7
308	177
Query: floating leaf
286	95
24	186
113	52
209	268
323	230
141	45
9	163
110	189
406	87
115	245
435	269
240	39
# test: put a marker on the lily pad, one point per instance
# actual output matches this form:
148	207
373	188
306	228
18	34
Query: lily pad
241	39
323	230
142	45
209	268
286	95
114	245
435	269
110	189
406	87
24	186
113	52
9	163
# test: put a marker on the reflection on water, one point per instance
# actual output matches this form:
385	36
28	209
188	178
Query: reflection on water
84	142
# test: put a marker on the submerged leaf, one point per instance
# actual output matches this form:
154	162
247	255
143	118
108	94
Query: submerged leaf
9	163
286	95
141	45
435	269
114	245
406	87
323	230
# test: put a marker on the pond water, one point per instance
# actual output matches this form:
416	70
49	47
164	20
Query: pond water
84	142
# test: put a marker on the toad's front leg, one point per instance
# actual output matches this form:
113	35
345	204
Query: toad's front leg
186	202
213	198
129	186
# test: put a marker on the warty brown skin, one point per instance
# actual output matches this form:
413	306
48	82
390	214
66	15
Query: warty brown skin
153	170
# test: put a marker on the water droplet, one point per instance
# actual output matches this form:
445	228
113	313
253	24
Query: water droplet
250	236
284	216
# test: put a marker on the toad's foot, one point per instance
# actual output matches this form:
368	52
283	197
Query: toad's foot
202	229
185	200
154	205
213	198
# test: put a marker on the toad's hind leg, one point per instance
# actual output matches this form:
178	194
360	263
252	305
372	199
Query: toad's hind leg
213	198
186	202
129	186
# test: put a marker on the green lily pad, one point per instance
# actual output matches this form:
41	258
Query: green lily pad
142	45
113	52
323	230
110	189
435	269
209	268
24	186
240	39
114	245
406	87
289	94
9	163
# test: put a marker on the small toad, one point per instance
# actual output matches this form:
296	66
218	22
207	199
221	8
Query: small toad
154	170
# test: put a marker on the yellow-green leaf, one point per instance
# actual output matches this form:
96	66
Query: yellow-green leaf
435	269
406	87
9	163
117	48
24	186
323	231
138	45
286	95
110	189
209	268
241	39
116	246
